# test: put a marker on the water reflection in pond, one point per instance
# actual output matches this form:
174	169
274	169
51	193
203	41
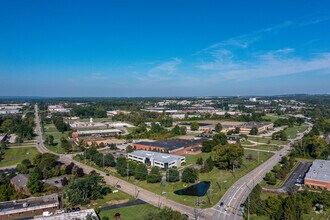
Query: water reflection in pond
198	189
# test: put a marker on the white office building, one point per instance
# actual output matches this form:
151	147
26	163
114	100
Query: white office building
156	159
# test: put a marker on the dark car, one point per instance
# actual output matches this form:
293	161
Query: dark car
221	203
77	209
118	186
73	209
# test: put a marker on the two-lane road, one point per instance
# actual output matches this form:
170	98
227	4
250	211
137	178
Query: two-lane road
131	189
229	207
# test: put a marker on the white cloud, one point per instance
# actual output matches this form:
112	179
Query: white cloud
161	71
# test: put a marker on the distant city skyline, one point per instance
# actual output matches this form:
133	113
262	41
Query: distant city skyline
164	48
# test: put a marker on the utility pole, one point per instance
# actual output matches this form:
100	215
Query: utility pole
249	206
127	171
196	210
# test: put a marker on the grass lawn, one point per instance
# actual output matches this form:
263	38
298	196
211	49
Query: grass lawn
272	117
246	143
130	212
265	140
50	129
292	132
279	183
313	216
110	199
16	155
265	147
226	177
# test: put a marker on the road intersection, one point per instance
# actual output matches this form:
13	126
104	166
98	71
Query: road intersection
231	201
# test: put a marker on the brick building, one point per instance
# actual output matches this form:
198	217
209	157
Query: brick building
23	207
319	174
172	146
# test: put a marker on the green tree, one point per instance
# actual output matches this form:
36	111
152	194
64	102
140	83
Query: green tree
34	183
109	160
189	175
172	175
121	166
129	149
218	127
154	175
225	156
165	214
194	126
82	190
254	131
141	172
200	161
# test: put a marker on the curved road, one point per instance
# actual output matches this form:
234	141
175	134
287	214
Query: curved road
128	188
239	191
232	199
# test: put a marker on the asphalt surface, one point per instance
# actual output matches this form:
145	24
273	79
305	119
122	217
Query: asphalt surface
131	189
239	191
232	199
299	171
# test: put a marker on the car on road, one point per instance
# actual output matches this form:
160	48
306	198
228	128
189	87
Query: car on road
226	208
118	186
221	203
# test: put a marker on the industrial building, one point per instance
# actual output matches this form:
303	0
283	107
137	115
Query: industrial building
172	146
23	207
156	159
245	128
82	214
105	132
318	174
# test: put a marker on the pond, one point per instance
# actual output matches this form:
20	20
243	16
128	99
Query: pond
198	189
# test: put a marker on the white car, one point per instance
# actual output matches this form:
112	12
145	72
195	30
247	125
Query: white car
47	214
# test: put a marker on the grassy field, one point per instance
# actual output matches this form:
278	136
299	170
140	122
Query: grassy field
110	199
292	132
50	129
279	183
272	117
265	147
226	177
266	140
13	156
130	212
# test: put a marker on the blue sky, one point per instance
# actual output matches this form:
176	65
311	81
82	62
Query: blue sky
164	48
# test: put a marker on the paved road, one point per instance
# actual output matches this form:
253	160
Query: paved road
8	167
299	171
128	188
235	195
239	191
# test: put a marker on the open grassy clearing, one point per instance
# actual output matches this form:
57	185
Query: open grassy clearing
272	117
216	191
130	213
279	183
13	156
50	129
292	132
267	140
264	147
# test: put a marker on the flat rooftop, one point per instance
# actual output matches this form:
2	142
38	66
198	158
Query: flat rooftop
161	157
32	202
105	131
254	124
82	214
320	170
171	144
